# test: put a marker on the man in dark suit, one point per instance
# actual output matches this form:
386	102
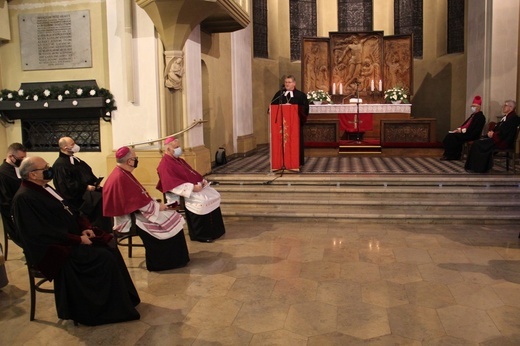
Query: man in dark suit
480	158
470	130
10	181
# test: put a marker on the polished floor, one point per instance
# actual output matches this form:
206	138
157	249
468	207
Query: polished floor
302	283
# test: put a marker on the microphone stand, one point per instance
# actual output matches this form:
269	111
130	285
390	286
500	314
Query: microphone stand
356	119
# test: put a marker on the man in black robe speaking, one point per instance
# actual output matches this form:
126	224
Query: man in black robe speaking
289	94
91	283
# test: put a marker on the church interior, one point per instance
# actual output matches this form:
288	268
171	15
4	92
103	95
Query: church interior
372	241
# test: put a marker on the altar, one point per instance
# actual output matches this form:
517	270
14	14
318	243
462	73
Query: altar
328	123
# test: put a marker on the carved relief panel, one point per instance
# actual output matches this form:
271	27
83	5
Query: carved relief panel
398	62
356	61
315	64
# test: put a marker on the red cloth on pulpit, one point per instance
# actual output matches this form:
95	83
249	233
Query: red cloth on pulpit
347	122
286	154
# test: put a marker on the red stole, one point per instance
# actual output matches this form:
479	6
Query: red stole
174	172
123	194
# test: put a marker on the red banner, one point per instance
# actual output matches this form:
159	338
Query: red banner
285	137
349	123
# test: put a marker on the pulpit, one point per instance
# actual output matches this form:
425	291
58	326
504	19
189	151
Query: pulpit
285	137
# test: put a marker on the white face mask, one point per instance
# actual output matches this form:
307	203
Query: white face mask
177	152
473	109
75	148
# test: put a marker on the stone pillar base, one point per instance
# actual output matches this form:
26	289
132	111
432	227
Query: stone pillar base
245	144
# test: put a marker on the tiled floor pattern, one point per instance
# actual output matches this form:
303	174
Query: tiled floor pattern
347	164
306	283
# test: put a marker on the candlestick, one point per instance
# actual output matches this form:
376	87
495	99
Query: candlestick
333	88
372	85
341	88
380	85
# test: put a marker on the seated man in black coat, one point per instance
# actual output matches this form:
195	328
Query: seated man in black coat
10	181
480	158
91	283
470	130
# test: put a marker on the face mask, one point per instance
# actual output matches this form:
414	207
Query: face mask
17	162
177	152
136	162
48	174
75	148
473	109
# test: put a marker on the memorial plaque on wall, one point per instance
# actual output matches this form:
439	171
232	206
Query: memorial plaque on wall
58	40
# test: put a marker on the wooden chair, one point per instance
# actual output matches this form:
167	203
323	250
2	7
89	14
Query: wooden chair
125	239
509	153
36	280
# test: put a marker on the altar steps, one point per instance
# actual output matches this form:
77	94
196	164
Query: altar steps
353	147
418	199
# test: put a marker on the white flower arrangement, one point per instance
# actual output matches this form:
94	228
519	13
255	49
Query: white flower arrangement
60	94
397	94
319	95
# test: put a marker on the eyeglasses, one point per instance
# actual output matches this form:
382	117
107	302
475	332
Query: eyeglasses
41	169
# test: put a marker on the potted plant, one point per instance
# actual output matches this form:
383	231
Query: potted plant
318	96
397	95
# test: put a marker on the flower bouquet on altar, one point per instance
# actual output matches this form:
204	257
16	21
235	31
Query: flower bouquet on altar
318	96
397	95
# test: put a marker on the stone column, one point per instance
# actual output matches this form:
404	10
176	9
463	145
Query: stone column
242	86
492	50
172	82
197	155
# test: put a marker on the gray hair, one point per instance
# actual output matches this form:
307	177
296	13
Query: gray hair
28	165
511	103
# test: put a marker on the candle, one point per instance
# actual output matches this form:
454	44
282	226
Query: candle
372	85
333	88
341	88
380	85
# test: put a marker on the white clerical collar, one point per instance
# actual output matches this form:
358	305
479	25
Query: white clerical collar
73	158
17	171
53	193
289	92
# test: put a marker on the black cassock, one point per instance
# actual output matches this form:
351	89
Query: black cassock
9	184
92	285
71	178
480	157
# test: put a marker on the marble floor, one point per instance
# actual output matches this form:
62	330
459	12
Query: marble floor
301	283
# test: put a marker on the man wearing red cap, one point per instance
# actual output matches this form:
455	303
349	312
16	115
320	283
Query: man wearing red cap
160	228
202	202
470	130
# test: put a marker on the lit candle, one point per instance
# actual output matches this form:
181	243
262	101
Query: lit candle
372	85
341	88
380	85
333	88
